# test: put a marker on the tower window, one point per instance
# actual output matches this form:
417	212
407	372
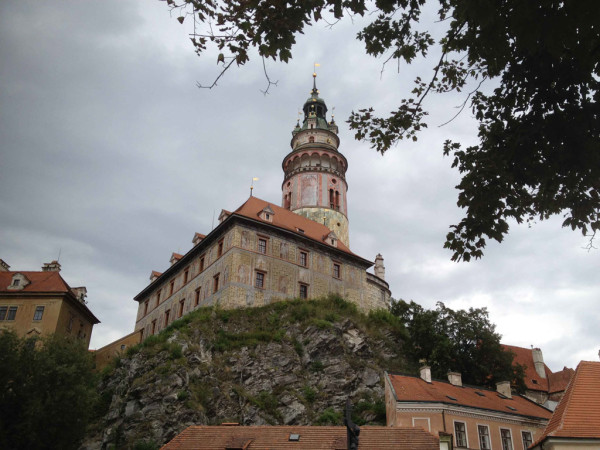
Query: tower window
303	259
262	246
311	139
331	199
303	290
336	271
216	283
259	281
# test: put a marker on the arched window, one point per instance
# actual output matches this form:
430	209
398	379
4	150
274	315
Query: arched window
331	199
311	139
337	200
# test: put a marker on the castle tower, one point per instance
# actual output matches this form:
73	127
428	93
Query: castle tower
314	185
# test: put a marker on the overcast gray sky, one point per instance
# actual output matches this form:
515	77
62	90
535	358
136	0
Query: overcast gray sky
110	155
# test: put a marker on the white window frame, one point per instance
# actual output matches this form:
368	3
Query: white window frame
454	422
489	435
422	418
512	444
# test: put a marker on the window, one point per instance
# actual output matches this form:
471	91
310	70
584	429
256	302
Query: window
303	290
201	263
311	139
331	199
154	326
185	275
146	307
527	439
262	246
171	287
220	249
197	297
336	271
157	298
167	314
12	313
506	439
216	283
303	259
39	312
259	282
484	437
460	434
16	282
3	310
70	324
181	305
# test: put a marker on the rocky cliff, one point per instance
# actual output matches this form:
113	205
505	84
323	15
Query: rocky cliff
292	362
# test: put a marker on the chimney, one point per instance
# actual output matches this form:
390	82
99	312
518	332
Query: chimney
503	388
538	362
455	378
425	373
53	266
379	268
3	266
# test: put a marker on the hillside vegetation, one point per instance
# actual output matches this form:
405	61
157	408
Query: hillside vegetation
292	362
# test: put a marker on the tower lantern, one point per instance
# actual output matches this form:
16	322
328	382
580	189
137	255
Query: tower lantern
314	184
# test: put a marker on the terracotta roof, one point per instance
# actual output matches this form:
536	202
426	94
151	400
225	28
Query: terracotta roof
40	282
310	438
578	413
554	382
413	389
558	381
288	220
176	256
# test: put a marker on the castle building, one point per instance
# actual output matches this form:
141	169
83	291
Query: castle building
261	252
38	303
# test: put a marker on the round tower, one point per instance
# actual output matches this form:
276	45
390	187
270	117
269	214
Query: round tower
314	185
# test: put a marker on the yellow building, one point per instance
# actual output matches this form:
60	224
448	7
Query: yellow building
41	303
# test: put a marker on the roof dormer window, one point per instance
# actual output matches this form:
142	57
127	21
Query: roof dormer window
267	214
18	282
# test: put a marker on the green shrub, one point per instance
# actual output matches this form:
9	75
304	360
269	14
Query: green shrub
133	350
330	417
183	395
309	394
317	366
321	324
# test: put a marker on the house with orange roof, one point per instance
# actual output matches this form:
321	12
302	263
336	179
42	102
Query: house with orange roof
542	385
575	423
262	252
203	437
37	303
478	418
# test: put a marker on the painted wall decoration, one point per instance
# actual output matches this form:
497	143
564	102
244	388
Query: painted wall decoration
309	187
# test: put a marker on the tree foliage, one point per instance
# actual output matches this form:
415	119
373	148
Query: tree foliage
539	122
48	392
459	341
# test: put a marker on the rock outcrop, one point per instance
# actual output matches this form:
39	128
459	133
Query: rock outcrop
288	363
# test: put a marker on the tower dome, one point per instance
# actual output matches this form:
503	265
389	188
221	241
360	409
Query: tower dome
314	184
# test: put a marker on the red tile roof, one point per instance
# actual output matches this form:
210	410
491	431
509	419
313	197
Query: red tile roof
155	274
578	413
40	282
311	438
288	220
414	389
554	382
